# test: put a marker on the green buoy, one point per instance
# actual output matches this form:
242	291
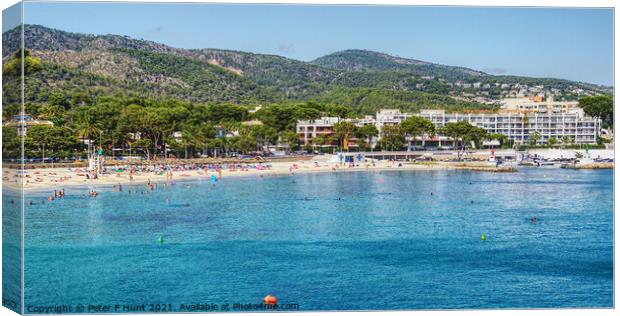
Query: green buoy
483	237
160	239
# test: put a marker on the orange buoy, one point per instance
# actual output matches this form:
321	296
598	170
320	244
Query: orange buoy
270	300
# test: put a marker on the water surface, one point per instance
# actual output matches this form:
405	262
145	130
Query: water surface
378	240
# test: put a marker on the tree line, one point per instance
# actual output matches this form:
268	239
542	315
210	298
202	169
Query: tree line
398	136
163	126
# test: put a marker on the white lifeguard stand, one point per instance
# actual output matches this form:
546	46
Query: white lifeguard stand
96	160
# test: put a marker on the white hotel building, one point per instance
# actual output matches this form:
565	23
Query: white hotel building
518	119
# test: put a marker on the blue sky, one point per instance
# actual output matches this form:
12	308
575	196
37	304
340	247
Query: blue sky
568	43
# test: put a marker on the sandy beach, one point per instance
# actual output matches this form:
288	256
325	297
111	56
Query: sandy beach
59	178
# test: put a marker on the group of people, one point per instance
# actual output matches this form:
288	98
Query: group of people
57	194
167	169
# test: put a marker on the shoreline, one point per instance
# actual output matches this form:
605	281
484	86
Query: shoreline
59	178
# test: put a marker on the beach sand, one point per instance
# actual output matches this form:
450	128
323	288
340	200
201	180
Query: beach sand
58	178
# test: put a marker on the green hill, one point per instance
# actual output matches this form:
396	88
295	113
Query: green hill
363	60
120	65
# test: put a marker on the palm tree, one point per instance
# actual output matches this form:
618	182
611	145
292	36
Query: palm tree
321	140
343	131
88	128
191	138
525	120
552	141
534	138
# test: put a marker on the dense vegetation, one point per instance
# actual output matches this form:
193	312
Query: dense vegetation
359	60
152	69
601	106
134	95
144	125
369	101
200	80
147	127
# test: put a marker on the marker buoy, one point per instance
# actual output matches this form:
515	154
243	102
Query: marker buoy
270	300
483	237
160	240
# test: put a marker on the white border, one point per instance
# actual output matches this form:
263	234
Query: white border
504	3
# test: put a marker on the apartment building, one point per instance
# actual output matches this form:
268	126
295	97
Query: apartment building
540	105
308	130
516	125
520	126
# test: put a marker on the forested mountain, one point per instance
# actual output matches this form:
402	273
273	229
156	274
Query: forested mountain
136	95
360	60
119	65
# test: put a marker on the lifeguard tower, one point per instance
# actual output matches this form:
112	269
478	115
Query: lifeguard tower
96	160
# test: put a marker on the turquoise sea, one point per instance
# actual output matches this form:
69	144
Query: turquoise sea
346	241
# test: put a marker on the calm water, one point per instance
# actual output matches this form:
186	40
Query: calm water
332	242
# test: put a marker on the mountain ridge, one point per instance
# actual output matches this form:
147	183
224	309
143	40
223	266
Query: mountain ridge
121	64
364	59
118	40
